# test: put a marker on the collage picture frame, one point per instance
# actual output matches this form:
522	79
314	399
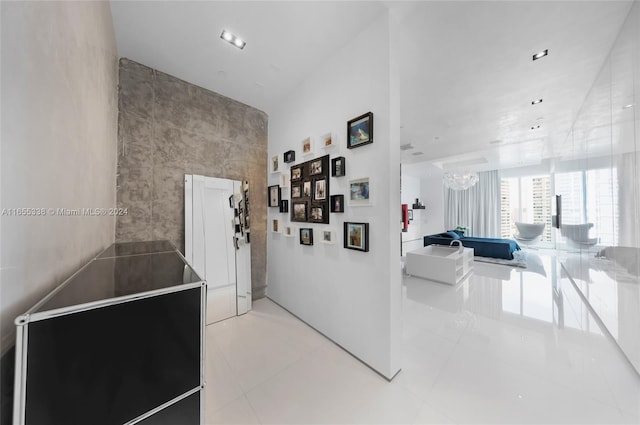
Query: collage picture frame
310	191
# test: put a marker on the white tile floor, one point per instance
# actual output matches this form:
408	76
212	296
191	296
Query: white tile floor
505	346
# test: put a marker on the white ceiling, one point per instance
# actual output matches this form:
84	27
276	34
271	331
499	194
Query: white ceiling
467	78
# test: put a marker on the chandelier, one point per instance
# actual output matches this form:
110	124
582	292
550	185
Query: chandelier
456	180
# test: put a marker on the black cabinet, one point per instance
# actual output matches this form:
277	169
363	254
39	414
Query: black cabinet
120	342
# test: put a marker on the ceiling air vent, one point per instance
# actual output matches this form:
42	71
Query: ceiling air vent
406	147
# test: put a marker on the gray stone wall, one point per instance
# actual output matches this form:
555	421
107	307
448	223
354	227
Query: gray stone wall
169	128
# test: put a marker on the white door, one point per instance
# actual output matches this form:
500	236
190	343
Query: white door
211	241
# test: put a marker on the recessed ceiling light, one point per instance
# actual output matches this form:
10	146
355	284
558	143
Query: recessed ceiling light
232	39
495	142
535	127
535	102
417	153
541	54
628	106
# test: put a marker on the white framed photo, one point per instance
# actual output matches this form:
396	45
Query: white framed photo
289	231
328	236
328	140
307	146
360	192
275	164
275	225
285	179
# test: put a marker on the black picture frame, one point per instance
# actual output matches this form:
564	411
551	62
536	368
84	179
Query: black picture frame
296	191
315	167
299	211
289	156
319	189
284	206
338	167
306	236
360	131
296	173
316	214
307	189
274	196
356	236
337	203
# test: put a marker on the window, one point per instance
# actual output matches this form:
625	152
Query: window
526	199
591	196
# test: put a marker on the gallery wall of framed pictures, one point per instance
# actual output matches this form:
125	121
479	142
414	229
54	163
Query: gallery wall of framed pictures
310	191
307	183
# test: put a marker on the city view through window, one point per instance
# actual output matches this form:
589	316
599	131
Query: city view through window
589	196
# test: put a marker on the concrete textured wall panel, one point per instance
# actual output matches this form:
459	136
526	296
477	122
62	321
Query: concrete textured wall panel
169	128
59	73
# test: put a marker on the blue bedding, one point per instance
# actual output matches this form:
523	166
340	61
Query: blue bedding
483	247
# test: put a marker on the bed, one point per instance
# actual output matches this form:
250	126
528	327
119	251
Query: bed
483	247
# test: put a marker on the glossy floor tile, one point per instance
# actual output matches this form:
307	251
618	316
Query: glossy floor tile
612	289
507	345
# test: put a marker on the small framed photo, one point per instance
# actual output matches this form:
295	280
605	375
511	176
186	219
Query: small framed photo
338	167
296	173
306	236
289	156
315	167
337	203
275	226
296	191
299	211
360	131
317	213
328	141
288	231
356	236
307	146
306	189
274	196
275	163
410	214
284	179
284	206
359	192
328	236
320	190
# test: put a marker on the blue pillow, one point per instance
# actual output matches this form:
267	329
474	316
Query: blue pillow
450	235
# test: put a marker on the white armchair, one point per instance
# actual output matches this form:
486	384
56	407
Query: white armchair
578	234
528	232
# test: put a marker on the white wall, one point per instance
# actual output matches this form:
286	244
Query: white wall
430	191
432	195
59	127
352	297
411	239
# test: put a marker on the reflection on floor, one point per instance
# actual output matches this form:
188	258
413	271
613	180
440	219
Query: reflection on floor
612	289
505	346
